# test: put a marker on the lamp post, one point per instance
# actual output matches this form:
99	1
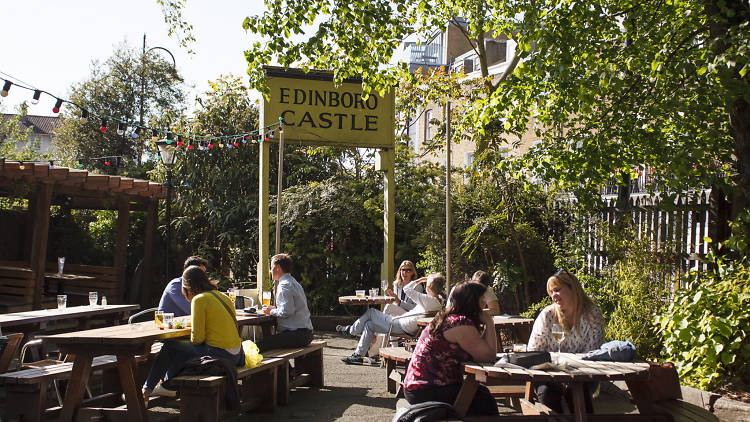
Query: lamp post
143	81
168	154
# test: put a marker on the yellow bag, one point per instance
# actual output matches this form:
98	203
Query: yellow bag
252	354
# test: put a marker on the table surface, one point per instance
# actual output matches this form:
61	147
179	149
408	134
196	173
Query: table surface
44	315
367	300
69	276
499	320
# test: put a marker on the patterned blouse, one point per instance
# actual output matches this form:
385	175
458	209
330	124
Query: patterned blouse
436	361
589	334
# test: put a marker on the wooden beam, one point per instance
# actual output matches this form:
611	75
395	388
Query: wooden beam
42	200
121	248
41	171
147	270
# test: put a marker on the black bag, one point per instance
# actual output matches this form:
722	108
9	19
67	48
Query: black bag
426	412
528	359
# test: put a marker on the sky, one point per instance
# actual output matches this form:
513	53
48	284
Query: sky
50	45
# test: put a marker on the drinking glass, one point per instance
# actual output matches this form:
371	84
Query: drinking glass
374	291
267	298
168	320
384	287
359	293
60	265
159	318
62	301
232	293
93	298
558	334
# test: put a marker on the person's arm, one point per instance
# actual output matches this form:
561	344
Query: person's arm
493	307
198	312
482	348
412	293
284	302
540	337
165	299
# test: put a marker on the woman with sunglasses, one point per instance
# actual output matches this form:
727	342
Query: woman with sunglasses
405	274
582	323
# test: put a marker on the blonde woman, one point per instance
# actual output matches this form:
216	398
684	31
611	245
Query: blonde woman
405	274
582	323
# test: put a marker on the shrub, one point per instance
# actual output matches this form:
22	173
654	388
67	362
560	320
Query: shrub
706	330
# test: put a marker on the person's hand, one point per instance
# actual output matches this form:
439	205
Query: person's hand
267	309
421	280
486	318
391	293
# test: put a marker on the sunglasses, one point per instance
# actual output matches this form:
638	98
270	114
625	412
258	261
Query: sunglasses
407	270
562	271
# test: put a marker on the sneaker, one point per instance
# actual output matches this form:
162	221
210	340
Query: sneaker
163	391
371	360
343	330
354	359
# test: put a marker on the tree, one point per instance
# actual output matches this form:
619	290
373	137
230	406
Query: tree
115	89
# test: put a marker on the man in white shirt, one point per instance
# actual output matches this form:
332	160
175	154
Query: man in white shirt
291	311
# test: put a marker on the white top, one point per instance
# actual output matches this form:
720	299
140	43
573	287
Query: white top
488	296
425	303
589	334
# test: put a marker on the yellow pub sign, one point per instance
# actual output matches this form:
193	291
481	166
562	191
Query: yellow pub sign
315	112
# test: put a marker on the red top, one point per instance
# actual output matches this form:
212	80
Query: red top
436	362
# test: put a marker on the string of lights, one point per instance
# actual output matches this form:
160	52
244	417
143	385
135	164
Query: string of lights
135	130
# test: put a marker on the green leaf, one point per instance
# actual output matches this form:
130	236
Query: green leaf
702	70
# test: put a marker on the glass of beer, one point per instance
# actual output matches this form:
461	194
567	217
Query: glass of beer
232	293
267	298
359	293
159	318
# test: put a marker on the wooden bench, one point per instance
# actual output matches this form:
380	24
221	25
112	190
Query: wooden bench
394	358
26	390
308	365
202	397
16	288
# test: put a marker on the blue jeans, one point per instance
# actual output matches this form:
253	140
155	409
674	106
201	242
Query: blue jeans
174	354
372	322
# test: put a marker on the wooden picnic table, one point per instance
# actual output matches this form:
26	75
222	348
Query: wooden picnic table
576	373
60	280
520	326
30	322
125	342
366	300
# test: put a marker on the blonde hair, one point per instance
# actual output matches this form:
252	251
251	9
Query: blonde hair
582	305
399	280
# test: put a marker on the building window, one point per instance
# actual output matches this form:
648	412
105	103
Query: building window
468	159
427	125
35	144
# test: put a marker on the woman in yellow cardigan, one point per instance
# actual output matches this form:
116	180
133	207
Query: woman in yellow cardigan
214	332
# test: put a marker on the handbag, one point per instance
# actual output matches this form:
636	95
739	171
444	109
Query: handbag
528	359
662	383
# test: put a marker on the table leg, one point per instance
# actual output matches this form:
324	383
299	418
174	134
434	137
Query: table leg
267	329
579	402
76	386
466	395
133	396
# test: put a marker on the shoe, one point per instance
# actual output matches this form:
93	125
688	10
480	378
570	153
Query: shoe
354	359
163	391
343	330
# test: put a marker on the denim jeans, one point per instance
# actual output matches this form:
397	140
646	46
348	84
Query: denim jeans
174	354
371	323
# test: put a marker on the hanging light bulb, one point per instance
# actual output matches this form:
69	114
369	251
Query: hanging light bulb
84	115
80	164
236	144
210	145
136	131
169	138
35	98
103	127
190	146
58	104
121	128
106	163
154	132
51	164
179	140
6	88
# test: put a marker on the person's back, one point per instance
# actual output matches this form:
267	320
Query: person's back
172	299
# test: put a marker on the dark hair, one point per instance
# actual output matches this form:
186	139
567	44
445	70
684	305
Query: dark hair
196	280
194	260
482	277
284	260
464	301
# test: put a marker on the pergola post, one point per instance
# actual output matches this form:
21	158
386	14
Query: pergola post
121	247
147	272
40	204
264	173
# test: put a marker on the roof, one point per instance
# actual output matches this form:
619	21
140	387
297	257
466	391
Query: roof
79	188
38	124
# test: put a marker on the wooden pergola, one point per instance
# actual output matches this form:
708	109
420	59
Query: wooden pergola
45	185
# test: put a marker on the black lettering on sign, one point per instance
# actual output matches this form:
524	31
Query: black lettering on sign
307	118
354	122
372	102
341	119
284	95
371	122
320	99
325	119
283	117
333	99
347	100
299	96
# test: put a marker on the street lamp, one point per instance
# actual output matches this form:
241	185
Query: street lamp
168	155
143	78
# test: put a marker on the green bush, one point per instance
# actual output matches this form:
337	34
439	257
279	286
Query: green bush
706	328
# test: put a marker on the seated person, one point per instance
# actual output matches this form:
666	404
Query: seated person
584	330
404	275
214	333
454	336
172	300
489	300
374	321
291	311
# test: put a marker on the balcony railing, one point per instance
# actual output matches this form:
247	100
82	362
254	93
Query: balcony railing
427	54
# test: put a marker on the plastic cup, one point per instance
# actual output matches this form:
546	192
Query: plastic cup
374	291
168	319
93	298
359	293
60	265
62	301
